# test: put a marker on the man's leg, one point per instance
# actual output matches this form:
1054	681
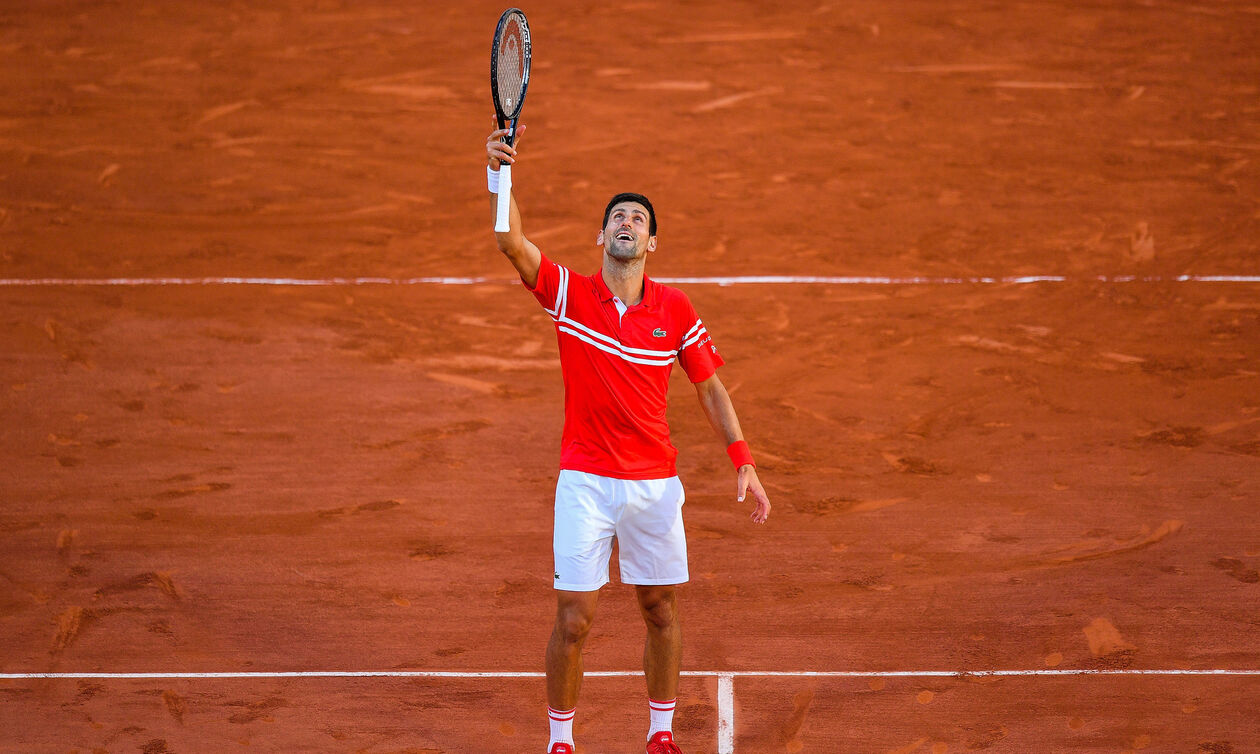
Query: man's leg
662	653
574	613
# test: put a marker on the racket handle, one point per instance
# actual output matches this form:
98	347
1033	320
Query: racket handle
503	213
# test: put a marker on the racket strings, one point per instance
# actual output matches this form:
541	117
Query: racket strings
511	68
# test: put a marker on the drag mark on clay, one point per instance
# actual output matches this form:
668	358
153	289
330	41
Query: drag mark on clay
222	110
69	624
910	747
65	538
835	505
874	505
415	91
671	86
995	346
469	383
176	705
982	737
734	99
1165	530
1045	85
108	173
734	36
912	464
800	708
954	68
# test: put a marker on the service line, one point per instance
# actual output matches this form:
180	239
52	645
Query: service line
722	281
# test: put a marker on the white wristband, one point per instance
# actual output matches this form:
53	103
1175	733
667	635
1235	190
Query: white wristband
492	179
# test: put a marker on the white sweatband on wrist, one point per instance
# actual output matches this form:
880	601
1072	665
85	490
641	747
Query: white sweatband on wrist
492	179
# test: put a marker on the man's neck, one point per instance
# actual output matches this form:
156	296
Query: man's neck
624	279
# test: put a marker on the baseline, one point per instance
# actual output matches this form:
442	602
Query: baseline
725	679
720	281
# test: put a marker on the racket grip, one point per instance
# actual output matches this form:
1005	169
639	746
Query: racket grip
503	213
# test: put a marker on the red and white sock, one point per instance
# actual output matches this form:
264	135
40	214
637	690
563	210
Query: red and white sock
561	726
662	716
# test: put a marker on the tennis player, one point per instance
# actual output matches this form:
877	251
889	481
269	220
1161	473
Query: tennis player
620	333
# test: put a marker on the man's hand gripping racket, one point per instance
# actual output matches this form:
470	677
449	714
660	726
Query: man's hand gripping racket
500	154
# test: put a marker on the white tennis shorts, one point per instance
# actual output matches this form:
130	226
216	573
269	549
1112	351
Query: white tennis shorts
644	515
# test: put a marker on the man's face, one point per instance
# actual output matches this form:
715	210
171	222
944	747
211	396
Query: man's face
626	236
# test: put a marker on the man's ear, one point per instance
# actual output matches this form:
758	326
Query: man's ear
651	244
599	239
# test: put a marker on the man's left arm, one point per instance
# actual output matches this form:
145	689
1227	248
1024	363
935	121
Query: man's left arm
717	405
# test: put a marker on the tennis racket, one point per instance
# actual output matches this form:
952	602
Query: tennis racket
509	78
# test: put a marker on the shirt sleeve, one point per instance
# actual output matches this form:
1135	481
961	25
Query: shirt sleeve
697	354
549	287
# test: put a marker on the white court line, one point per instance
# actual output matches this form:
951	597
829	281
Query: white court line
725	680
726	714
722	281
719	674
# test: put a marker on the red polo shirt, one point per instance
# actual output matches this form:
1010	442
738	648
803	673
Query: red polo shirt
616	370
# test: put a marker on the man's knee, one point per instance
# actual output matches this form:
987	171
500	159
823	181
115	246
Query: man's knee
573	621
660	609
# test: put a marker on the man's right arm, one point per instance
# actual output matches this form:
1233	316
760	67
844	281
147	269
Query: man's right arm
524	255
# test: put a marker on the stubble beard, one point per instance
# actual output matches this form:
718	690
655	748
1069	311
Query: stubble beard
623	251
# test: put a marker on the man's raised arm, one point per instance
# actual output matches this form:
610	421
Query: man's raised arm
525	256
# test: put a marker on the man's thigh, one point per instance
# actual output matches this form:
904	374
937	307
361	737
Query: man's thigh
584	530
650	534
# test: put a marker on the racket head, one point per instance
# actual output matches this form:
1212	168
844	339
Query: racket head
509	67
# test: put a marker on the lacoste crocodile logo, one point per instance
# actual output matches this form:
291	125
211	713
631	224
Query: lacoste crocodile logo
658	333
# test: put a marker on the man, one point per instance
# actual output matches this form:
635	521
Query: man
619	334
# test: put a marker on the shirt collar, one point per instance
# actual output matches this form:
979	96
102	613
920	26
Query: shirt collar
650	289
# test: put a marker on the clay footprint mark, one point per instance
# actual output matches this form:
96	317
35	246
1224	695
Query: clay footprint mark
380	505
1180	437
160	580
1236	569
186	491
260	710
156	746
428	551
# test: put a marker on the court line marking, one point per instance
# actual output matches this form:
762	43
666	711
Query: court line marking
725	680
719	674
726	714
721	280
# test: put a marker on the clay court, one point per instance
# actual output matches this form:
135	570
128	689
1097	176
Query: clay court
279	427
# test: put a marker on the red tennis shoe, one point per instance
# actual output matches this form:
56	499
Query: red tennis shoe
663	743
560	748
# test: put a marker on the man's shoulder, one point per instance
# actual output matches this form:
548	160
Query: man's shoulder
570	277
673	299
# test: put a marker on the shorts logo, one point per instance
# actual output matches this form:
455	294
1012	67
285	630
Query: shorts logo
557	577
658	333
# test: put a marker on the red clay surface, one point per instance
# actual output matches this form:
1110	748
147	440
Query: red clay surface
966	478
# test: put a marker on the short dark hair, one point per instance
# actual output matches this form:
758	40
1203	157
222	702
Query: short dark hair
638	199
